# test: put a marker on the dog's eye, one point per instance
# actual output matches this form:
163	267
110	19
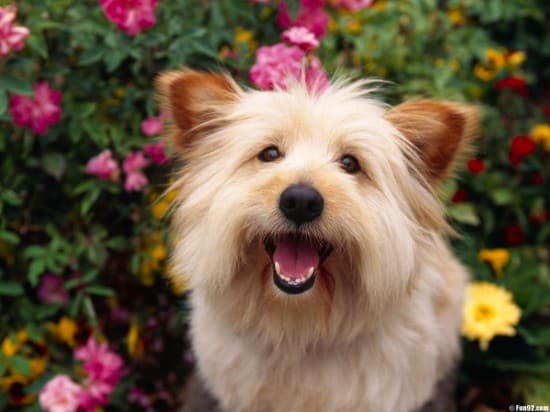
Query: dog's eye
269	154
349	164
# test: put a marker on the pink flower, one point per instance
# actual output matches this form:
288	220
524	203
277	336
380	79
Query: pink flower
104	369
311	15
103	166
275	65
316	78
157	152
60	394
301	37
51	289
133	165
130	16
37	112
352	5
152	126
12	37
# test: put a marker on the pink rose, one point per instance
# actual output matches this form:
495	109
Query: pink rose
133	165
37	112
352	5
311	15
152	126
103	166
275	65
60	394
301	37
157	152
130	16
12	37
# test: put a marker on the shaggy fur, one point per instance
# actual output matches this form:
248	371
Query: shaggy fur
380	326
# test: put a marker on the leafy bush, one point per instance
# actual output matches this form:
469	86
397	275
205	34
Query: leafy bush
83	239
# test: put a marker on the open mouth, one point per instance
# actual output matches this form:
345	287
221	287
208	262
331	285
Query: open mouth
296	261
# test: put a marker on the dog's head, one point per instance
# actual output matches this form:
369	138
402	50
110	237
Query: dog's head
299	210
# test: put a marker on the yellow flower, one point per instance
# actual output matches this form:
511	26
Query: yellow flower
484	73
9	348
353	25
494	63
380	5
159	208
38	366
489	311
134	344
178	283
65	330
495	59
515	59
158	252
456	16
332	25
246	37
497	258
540	133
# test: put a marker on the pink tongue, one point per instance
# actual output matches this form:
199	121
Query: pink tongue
295	257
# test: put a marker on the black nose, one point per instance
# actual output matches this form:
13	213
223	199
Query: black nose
301	204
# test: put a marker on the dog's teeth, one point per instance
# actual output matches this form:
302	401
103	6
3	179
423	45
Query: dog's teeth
310	272
278	268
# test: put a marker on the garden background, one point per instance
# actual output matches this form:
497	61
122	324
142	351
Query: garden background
90	316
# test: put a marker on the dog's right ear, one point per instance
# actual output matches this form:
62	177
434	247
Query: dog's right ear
195	101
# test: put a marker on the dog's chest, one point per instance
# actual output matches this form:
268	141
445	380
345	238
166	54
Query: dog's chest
352	379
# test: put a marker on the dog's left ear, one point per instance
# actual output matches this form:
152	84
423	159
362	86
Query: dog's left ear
440	131
195	101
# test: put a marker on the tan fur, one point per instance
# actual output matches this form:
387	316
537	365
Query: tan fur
380	326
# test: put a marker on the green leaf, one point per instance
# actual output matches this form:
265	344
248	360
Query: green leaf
464	213
16	85
3	368
10	237
35	270
3	102
89	200
54	164
36	43
11	198
502	196
35	333
91	56
100	290
21	364
11	289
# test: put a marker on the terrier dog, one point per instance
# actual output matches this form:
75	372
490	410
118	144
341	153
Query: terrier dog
309	231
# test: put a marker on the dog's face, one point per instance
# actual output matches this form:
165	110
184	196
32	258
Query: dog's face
298	211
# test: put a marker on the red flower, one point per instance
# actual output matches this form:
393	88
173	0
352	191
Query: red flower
37	112
130	16
537	179
476	166
539	217
460	196
511	82
521	146
547	110
514	235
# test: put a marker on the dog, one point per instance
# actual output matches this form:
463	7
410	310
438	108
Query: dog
309	231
